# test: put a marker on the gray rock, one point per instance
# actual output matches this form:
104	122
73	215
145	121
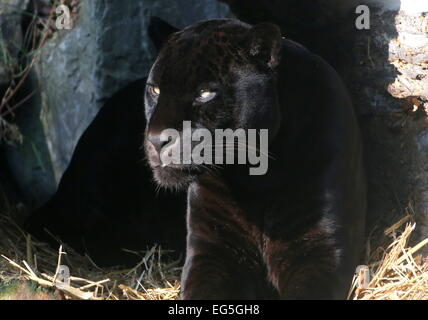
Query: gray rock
106	49
10	37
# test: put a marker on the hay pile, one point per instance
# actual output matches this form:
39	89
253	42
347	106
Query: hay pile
23	259
395	269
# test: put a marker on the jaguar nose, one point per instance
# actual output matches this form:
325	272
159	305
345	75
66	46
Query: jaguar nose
163	149
156	142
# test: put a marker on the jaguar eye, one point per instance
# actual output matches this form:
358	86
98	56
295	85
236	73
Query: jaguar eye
206	95
154	90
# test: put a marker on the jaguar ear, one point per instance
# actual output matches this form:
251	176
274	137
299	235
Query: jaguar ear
159	31
264	43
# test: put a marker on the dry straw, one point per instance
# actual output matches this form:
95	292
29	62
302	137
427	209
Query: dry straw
395	270
23	258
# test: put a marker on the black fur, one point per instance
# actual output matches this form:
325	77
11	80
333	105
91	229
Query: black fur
296	232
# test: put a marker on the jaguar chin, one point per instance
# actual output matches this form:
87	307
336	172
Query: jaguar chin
175	176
